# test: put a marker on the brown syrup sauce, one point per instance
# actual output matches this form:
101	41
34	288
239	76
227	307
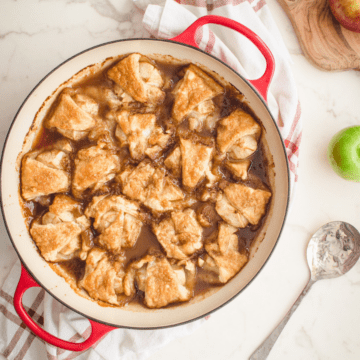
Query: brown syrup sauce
147	241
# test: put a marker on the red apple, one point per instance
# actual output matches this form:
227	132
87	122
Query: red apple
347	13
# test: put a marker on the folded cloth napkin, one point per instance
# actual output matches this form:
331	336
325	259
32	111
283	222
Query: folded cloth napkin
16	341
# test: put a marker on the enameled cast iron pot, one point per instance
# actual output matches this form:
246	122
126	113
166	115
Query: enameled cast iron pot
35	270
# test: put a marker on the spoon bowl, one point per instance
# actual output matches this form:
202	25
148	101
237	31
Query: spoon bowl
333	250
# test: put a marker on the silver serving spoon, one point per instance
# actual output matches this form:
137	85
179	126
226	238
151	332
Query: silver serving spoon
332	251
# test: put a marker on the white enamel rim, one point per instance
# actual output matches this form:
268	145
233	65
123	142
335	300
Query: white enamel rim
56	285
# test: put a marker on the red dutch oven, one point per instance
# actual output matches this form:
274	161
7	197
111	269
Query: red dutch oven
35	270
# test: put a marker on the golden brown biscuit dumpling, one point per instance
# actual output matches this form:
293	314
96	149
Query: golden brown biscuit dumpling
117	220
240	204
195	161
57	234
161	282
193	94
74	115
141	134
250	202
229	213
239	168
238	134
139	78
180	235
94	166
153	188
223	259
103	279
45	172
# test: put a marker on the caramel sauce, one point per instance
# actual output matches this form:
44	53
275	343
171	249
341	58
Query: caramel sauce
74	267
147	241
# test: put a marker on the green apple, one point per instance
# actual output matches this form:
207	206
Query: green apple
344	153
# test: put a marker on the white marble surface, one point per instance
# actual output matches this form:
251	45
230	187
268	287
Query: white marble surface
35	36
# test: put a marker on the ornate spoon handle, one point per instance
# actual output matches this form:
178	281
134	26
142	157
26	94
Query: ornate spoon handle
262	352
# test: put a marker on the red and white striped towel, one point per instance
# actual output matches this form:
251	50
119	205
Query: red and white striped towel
16	341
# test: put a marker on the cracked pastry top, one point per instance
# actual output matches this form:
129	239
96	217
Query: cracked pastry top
194	94
147	183
138	78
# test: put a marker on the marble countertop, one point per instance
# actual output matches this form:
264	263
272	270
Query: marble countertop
35	36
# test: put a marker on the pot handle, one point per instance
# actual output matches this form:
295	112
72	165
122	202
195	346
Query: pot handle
27	282
262	84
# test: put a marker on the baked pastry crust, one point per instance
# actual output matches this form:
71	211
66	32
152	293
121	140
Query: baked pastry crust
236	132
57	242
229	213
58	233
173	162
180	235
103	280
103	94
94	166
135	180
139	78
158	141
194	89
223	257
161	282
153	188
45	172
117	220
239	168
201	113
250	202
74	116
141	133
163	194
243	148
195	159
65	208
104	133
